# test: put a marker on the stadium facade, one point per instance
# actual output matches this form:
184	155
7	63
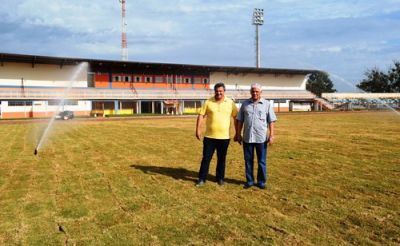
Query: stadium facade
33	86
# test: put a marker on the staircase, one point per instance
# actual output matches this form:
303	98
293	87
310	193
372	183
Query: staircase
323	103
133	89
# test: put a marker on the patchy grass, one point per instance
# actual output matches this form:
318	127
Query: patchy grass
333	179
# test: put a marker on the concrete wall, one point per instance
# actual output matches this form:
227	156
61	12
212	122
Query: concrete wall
42	109
22	74
268	81
301	107
280	106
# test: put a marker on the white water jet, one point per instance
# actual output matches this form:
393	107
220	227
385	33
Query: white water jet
378	99
78	70
341	79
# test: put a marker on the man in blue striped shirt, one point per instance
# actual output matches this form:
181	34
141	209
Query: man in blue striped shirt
257	117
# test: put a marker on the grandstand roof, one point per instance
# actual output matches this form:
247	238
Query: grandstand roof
116	65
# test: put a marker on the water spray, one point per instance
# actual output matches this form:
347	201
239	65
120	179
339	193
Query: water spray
352	86
382	102
74	76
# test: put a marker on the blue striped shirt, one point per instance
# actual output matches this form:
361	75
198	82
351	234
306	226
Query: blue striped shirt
255	118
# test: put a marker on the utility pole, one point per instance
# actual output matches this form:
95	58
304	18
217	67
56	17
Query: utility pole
124	42
258	20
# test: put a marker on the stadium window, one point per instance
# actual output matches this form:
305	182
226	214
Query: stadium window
137	79
90	79
205	81
178	79
197	80
19	103
116	78
53	102
66	102
70	102
187	80
127	79
159	79
148	79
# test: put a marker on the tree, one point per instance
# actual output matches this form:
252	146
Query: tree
394	77
320	82
378	81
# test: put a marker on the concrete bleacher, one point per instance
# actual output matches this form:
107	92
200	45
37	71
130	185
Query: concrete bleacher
274	94
43	93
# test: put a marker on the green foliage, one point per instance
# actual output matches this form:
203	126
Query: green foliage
319	83
394	77
378	81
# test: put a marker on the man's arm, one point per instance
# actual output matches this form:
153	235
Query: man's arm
238	129
199	124
235	123
271	133
239	125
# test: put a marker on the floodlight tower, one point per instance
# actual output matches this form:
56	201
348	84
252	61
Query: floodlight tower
258	20
124	44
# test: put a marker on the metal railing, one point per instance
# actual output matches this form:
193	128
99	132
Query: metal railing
143	94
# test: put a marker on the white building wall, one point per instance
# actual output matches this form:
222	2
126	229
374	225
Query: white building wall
42	83
23	74
267	81
3	106
301	107
282	104
17	109
43	106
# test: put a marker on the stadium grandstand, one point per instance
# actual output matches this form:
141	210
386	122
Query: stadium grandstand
33	86
363	101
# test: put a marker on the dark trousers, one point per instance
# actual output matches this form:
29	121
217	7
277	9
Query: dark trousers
209	146
261	150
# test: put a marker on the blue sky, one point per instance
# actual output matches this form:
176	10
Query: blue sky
342	37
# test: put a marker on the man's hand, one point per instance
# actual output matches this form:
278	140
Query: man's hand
270	140
238	138
198	134
199	123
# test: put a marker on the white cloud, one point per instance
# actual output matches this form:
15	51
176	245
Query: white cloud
76	16
97	48
193	6
330	49
282	11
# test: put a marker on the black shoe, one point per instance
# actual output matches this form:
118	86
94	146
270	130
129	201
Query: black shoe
200	183
220	182
246	186
261	186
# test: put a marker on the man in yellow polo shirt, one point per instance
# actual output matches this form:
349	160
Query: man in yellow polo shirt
217	111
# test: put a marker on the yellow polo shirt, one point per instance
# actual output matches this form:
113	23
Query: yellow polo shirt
218	117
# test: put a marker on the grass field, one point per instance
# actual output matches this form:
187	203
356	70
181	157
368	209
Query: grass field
333	179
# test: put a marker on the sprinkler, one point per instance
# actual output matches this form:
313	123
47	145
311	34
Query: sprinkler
78	70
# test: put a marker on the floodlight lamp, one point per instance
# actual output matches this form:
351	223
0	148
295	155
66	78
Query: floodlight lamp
258	16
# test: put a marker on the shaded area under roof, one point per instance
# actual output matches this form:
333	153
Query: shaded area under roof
120	66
